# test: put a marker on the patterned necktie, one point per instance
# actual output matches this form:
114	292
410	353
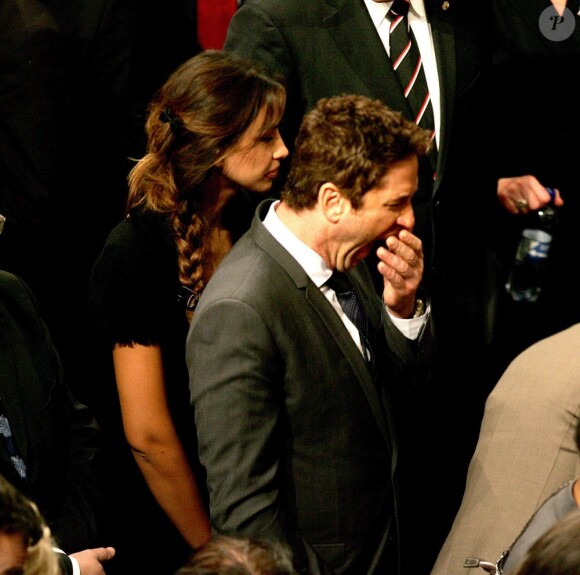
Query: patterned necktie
352	308
408	66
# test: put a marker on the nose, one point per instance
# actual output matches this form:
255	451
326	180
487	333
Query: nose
406	218
280	150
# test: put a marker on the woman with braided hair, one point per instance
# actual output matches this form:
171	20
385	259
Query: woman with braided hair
212	136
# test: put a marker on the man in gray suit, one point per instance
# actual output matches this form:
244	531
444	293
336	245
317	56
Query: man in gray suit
325	48
296	412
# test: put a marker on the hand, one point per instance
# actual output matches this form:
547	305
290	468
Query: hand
522	194
401	265
90	560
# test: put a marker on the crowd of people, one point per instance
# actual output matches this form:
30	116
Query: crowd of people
285	338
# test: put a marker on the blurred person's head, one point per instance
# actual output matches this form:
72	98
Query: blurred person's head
557	551
26	545
239	556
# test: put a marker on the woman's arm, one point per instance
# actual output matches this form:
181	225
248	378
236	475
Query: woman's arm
150	431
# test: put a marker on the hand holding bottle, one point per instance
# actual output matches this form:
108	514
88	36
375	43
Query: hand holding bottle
526	277
522	194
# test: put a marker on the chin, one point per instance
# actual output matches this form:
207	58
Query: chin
263	189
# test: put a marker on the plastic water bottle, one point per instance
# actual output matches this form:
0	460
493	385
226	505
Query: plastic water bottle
526	277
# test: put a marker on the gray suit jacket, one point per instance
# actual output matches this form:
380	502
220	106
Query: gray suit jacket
296	437
525	451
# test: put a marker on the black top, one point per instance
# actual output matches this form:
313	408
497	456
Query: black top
133	299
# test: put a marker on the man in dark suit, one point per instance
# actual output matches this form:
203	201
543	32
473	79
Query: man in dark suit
47	439
328	47
293	406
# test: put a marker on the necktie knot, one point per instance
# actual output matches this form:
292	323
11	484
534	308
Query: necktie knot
339	283
400	8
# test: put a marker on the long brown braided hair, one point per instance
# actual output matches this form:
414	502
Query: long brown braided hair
194	121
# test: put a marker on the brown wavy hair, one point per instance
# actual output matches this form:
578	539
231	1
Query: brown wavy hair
194	121
351	141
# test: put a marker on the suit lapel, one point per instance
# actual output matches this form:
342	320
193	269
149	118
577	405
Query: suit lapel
362	282
347	22
343	339
444	42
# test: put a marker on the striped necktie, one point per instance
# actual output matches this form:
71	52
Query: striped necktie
408	66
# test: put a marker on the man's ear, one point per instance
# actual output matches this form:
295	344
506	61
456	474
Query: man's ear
331	203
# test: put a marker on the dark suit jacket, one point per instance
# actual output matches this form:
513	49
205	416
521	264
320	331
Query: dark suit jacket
55	435
296	437
324	48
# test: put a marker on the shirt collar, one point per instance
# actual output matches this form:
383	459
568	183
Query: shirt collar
378	10
310	261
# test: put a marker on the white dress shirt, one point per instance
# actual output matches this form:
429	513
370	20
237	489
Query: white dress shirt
76	569
317	270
